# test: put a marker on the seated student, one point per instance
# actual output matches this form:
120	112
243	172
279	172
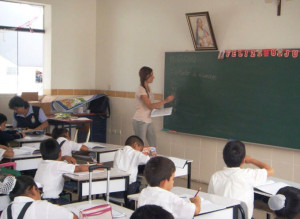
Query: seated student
151	212
26	115
235	182
27	203
159	173
7	135
67	146
129	158
51	169
286	203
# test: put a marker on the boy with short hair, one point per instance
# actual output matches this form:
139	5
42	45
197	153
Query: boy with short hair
129	158
67	146
51	169
7	135
159	173
234	182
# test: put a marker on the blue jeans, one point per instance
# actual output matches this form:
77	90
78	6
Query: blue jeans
145	131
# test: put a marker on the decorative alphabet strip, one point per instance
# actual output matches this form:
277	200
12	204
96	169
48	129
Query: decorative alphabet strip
259	53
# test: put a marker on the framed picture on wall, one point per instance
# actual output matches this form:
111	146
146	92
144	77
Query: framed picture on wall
201	30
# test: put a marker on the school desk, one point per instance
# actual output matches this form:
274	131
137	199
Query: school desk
217	207
125	211
119	182
28	139
25	161
260	195
107	154
69	123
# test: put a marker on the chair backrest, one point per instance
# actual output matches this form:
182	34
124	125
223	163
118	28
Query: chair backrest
82	134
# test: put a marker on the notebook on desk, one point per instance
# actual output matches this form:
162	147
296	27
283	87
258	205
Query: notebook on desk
270	187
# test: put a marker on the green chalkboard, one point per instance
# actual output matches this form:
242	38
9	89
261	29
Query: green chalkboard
249	99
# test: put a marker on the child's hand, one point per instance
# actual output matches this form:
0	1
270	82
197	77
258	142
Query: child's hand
4	147
23	134
69	159
84	148
197	201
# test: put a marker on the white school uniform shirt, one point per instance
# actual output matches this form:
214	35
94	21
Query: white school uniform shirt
50	175
68	146
2	151
178	207
37	210
128	159
237	183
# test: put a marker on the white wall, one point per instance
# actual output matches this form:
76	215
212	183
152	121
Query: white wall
134	33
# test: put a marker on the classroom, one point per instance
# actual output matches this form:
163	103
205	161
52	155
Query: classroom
98	46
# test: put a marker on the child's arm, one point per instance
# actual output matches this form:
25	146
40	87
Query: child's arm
259	164
83	168
9	153
75	216
69	159
197	201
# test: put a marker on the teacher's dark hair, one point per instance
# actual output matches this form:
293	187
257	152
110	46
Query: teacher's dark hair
145	72
22	184
18	102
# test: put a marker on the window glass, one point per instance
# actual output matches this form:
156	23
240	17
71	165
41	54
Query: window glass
21	15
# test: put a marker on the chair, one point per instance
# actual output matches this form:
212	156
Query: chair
82	134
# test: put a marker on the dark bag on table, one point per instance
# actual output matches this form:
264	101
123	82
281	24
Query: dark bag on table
100	105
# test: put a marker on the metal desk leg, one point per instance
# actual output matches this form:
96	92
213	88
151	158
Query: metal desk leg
189	175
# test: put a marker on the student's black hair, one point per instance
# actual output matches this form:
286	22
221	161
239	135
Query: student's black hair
158	169
292	203
22	184
49	149
233	153
18	102
59	132
132	139
3	118
151	212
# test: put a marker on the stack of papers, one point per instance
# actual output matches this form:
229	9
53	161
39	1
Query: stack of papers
206	206
24	150
178	162
161	112
93	145
271	187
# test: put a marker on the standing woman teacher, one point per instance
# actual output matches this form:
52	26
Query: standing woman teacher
26	115
142	123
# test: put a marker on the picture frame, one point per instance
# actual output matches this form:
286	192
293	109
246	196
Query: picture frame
201	31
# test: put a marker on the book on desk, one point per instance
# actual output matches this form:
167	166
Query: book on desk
270	187
94	145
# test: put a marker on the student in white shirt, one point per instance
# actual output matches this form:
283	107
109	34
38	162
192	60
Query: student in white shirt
235	182
159	173
129	158
67	146
51	169
24	192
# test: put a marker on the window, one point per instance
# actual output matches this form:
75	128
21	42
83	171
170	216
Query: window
21	47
